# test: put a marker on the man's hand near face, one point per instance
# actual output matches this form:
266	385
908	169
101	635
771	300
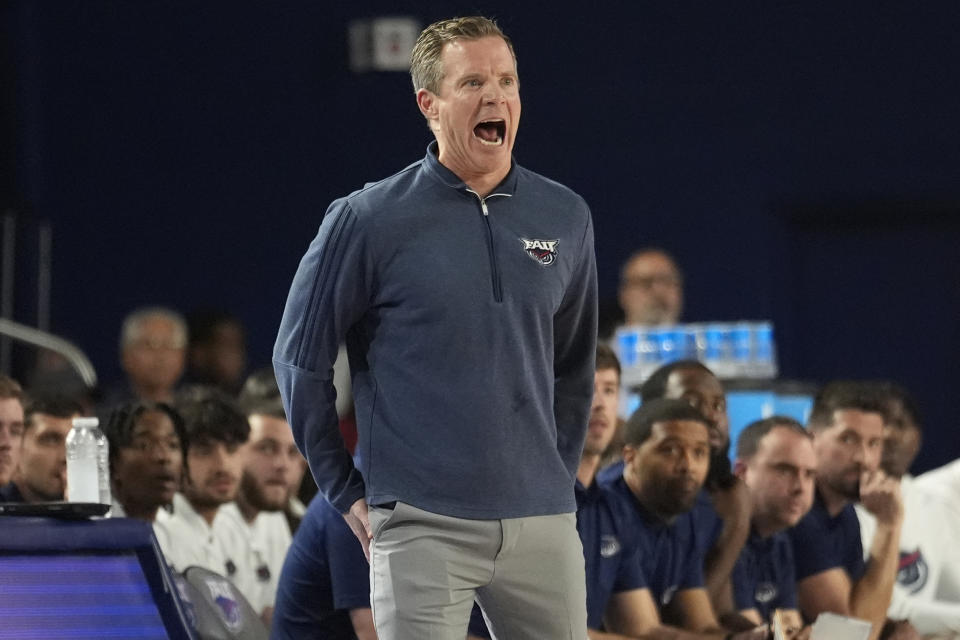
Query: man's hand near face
880	494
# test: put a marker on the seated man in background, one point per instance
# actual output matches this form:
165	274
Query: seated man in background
153	347
41	474
775	460
651	288
269	459
666	456
847	422
722	510
215	428
925	559
261	393
146	460
650	293
217	353
609	545
11	429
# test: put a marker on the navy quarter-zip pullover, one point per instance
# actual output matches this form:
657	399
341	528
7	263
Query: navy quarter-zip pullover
470	325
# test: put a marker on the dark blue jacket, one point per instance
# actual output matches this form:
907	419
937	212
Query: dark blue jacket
470	326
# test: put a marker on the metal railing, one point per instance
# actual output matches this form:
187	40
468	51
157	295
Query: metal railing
70	352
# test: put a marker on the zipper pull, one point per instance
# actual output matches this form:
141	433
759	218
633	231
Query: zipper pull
483	205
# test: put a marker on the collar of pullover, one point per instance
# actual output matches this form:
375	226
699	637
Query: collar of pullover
449	178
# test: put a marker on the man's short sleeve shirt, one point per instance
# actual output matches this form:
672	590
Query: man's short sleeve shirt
707	523
610	550
764	577
325	575
669	554
822	542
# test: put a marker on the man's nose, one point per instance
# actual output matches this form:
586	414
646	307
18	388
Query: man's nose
595	404
162	454
492	96
861	453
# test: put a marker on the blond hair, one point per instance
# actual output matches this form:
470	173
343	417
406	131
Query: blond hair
426	66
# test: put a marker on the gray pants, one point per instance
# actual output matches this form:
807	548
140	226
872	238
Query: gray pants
526	573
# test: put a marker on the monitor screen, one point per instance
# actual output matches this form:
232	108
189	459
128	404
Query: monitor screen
74	579
77	596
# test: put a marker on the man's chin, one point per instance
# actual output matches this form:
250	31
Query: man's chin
268	499
848	490
207	501
679	503
594	447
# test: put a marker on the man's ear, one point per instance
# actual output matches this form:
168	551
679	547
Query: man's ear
427	102
739	468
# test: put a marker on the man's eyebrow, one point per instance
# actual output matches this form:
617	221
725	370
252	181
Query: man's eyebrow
783	464
679	440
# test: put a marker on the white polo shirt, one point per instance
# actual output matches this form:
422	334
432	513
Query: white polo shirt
926	560
187	540
262	546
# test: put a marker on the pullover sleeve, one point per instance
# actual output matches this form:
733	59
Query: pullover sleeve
574	354
330	292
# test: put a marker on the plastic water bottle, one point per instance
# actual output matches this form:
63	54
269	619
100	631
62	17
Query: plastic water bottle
88	462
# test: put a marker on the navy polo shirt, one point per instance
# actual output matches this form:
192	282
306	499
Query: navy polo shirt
670	556
821	542
764	578
324	576
610	550
706	522
610	473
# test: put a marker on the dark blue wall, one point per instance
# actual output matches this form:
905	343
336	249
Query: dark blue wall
800	158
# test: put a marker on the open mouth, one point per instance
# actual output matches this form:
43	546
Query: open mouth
491	132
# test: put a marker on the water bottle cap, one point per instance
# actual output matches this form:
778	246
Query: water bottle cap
80	423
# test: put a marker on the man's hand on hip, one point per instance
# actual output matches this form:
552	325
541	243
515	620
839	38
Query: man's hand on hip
359	522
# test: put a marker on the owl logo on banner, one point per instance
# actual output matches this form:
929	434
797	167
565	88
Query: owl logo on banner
222	595
913	571
543	251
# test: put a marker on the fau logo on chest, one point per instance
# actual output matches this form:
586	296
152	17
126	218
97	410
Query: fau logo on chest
543	251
